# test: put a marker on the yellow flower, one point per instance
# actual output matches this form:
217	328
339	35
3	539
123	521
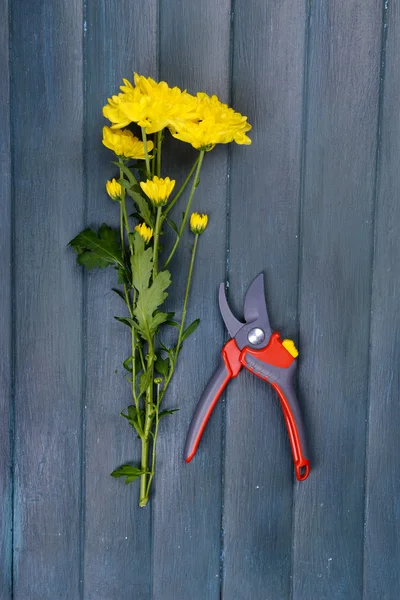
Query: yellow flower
145	232
158	189
112	111
150	104
114	189
124	143
216	123
198	223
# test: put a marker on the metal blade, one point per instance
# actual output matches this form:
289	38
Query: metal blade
255	308
231	322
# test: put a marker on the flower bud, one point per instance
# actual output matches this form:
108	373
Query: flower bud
198	223
145	232
114	189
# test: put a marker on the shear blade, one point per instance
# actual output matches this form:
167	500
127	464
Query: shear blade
231	322
255	308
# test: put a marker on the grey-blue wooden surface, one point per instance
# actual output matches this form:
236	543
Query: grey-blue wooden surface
313	203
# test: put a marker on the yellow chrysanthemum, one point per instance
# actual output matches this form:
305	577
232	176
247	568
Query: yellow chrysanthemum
124	143
112	111
158	190
150	104
216	123
198	223
114	189
145	232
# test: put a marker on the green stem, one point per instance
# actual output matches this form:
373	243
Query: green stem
121	229
124	213
155	435
146	152
147	429
153	162
185	302
143	498
159	144
186	213
183	186
156	237
182	324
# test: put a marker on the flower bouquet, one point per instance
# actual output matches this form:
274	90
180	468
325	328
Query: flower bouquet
145	199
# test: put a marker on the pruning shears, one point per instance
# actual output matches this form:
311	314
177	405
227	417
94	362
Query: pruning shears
255	347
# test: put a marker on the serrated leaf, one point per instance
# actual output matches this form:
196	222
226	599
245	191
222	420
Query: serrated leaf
192	327
90	260
142	206
149	300
141	264
131	473
98	250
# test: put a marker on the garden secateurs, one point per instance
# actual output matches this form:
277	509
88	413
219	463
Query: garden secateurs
255	347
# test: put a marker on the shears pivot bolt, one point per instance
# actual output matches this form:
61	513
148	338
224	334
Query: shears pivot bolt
256	336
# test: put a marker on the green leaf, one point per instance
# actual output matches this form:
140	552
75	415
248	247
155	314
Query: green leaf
145	381
172	323
192	327
133	417
172	224
131	473
122	275
127	364
163	413
120	294
141	264
127	321
142	206
98	250
149	300
126	171
162	366
157	320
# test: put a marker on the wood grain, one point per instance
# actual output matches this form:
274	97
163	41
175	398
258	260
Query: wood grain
187	504
382	549
312	203
47	140
264	209
6	422
120	38
335	294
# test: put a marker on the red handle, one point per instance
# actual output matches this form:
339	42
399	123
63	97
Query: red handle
229	368
301	463
276	365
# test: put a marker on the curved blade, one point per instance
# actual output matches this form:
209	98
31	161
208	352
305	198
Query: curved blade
255	308
231	322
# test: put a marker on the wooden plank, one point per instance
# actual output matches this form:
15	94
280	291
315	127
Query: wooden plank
336	238
187	504
264	208
120	39
382	530
6	425
47	140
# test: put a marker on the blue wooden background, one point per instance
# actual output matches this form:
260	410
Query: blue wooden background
314	203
